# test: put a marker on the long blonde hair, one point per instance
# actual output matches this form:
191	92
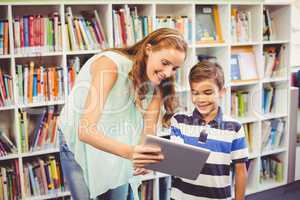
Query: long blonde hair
163	38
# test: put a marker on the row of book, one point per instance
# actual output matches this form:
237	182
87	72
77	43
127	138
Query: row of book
243	64
146	190
240	101
4	39
10	186
38	83
274	61
248	129
295	81
240	25
6	89
85	31
34	34
128	27
38	129
6	144
269	28
271	169
73	69
43	176
269	93
181	23
272	134
208	26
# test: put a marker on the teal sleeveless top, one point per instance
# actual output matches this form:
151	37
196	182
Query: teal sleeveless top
120	120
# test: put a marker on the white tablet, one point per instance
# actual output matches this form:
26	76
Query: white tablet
180	160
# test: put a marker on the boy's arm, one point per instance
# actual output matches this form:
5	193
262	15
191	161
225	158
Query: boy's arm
240	180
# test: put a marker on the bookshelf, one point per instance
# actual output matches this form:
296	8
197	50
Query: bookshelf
66	57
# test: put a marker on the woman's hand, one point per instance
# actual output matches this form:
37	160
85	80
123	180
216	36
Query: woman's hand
143	155
141	171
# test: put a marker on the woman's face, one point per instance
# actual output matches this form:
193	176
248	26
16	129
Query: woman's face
163	64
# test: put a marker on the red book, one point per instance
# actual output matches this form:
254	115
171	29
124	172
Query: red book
123	26
2	85
42	32
21	33
31	31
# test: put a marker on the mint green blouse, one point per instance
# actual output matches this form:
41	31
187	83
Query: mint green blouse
120	120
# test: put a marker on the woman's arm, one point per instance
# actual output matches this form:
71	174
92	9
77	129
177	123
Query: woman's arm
151	115
104	75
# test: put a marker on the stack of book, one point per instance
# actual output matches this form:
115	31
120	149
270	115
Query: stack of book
73	70
274	61
39	84
181	23
4	40
128	27
6	145
10	186
85	31
38	132
272	134
146	190
239	103
268	98
6	89
43	176
243	64
240	25
36	34
271	169
269	28
208	26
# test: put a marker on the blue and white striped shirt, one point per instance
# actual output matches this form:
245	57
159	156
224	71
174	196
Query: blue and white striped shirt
226	141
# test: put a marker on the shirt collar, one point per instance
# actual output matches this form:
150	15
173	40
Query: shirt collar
216	122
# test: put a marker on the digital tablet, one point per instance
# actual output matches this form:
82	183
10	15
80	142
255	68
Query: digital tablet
182	160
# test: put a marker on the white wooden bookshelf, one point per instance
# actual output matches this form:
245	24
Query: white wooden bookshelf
280	10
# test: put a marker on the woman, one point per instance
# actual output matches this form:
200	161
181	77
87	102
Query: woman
115	102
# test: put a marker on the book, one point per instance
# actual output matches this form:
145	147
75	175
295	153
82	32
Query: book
208	28
244	58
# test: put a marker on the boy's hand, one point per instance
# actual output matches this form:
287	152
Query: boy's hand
143	155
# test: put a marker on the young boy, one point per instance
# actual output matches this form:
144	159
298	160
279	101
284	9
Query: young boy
208	128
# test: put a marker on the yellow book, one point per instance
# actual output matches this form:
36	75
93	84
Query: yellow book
217	24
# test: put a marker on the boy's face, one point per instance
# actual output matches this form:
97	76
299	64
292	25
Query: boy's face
206	96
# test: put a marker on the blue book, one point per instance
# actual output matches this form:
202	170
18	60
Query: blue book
145	25
235	67
1	37
26	31
34	85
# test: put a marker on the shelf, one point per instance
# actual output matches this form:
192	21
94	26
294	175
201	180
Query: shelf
9	157
41	152
148	177
247	119
162	175
38	55
275	79
49	196
276	42
273	151
7	108
269	184
244	44
50	103
272	116
5	56
207	45
252	155
83	52
242	83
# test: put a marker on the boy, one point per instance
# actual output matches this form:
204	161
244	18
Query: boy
206	127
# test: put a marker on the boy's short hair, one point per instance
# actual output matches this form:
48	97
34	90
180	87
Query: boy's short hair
205	70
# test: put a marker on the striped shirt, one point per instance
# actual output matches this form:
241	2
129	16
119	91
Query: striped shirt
225	138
